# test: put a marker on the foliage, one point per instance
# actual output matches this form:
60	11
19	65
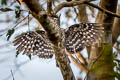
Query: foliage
10	33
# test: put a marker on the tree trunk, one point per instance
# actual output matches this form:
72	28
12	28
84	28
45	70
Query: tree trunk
116	27
101	58
53	31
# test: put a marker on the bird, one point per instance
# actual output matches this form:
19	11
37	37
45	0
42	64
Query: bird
35	43
76	38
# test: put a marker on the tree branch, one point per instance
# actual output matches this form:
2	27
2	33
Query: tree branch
103	10
49	6
76	3
53	31
80	65
12	75
82	59
116	27
104	65
69	4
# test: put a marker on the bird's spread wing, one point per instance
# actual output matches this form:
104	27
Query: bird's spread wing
35	43
80	35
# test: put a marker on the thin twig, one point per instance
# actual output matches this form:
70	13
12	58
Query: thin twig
68	4
12	75
76	3
28	21
103	10
20	21
14	26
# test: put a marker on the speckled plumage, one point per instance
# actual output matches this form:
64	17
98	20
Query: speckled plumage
76	37
35	43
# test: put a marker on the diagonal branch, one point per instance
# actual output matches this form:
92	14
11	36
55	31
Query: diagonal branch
12	75
69	4
76	3
80	65
103	10
82	59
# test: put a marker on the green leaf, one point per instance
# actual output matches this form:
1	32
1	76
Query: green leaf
17	53
18	7
3	2
10	33
117	75
118	68
17	13
5	9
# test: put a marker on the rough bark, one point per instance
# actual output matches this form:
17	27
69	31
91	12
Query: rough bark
54	34
101	58
116	27
82	14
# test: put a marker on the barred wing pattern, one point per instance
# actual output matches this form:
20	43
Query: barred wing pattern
35	43
78	36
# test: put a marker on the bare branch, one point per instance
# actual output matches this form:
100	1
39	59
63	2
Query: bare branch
76	3
100	52
12	75
49	7
103	10
82	59
80	65
82	13
36	8
52	28
68	4
116	27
